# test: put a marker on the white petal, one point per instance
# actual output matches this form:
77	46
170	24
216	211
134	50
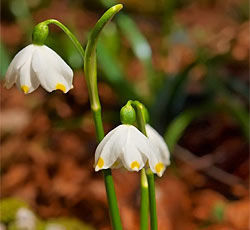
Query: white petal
147	149
142	142
132	157
155	162
27	80
49	74
59	64
102	143
110	148
17	62
160	143
107	157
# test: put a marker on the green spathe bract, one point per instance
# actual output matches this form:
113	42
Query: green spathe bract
145	113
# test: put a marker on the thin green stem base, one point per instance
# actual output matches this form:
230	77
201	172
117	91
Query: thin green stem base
149	174
152	201
144	201
113	207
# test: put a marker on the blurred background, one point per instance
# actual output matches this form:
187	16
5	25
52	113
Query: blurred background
186	60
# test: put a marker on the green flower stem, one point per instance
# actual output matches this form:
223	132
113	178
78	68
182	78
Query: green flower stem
152	201
90	68
97	115
144	201
69	33
112	201
149	173
144	183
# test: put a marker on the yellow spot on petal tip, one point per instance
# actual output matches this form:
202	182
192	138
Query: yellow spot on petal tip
135	164
159	167
100	163
25	89
61	87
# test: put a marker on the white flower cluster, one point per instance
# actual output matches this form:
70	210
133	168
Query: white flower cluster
126	146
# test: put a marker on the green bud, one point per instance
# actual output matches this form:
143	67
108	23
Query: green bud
40	33
127	114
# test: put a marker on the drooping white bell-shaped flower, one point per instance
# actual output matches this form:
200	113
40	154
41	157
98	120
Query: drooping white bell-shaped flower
160	143
126	146
39	65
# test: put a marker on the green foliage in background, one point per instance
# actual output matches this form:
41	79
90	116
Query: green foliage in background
4	59
9	207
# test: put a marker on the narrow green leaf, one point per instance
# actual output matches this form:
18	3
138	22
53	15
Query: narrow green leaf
4	60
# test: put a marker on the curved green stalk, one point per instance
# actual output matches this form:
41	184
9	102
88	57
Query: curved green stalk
149	173
69	33
90	56
90	69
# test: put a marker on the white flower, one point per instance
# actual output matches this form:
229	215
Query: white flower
25	219
160	143
127	146
39	65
